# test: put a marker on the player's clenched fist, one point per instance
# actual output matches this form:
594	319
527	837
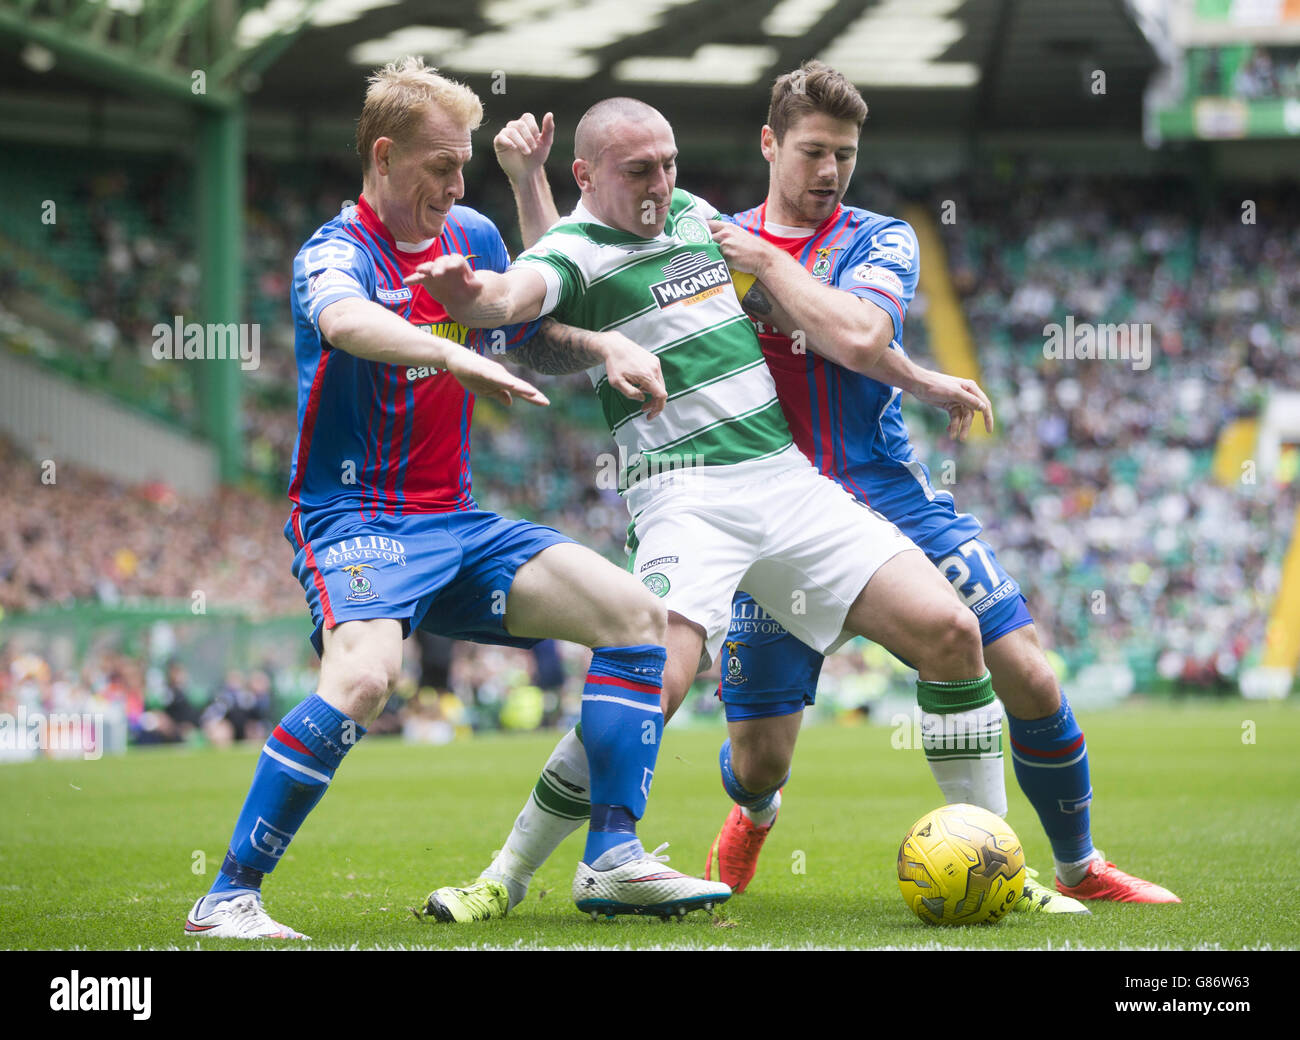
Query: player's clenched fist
522	146
742	250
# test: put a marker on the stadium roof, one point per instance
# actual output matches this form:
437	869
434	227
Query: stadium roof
934	65
993	63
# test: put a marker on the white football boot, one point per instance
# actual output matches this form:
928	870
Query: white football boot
638	883
240	917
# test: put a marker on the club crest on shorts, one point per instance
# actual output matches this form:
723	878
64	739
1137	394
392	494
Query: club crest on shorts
359	588
657	583
734	674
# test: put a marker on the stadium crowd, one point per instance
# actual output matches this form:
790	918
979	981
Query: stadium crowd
1097	496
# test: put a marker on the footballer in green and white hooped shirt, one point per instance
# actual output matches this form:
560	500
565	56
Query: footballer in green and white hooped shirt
738	506
720	497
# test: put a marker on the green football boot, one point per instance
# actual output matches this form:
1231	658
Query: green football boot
481	901
1038	899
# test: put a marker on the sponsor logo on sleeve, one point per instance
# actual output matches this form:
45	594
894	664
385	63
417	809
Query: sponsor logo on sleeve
878	278
895	247
328	278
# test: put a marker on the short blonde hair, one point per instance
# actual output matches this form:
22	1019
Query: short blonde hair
403	91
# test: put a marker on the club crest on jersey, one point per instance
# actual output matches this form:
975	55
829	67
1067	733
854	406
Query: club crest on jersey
690	278
360	589
822	265
691	230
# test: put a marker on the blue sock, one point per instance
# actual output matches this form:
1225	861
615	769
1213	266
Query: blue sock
622	723
755	803
296	766
1051	763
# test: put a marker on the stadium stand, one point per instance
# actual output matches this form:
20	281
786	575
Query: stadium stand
1100	494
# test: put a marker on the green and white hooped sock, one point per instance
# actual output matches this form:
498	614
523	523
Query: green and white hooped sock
961	732
559	804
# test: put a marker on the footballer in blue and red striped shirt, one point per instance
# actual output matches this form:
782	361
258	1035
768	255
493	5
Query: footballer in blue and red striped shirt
387	534
851	427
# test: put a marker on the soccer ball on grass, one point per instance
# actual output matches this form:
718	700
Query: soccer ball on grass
961	865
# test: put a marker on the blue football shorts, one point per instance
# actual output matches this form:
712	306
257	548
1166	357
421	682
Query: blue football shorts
447	573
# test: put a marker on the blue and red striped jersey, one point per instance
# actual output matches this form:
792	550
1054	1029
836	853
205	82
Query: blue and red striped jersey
850	426
380	438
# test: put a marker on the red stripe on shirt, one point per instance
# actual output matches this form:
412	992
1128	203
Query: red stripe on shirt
309	424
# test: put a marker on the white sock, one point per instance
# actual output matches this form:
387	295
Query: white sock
764	817
560	803
1072	873
964	752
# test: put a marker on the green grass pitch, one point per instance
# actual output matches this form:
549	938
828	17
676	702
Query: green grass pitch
108	854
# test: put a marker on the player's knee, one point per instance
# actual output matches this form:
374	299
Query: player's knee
761	770
365	688
954	641
642	621
1037	691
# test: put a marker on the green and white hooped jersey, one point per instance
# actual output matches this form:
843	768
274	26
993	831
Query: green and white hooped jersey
672	295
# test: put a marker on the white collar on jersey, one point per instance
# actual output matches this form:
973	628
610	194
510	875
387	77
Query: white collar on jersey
414	247
582	213
781	231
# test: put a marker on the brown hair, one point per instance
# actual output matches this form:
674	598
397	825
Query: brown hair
403	91
813	87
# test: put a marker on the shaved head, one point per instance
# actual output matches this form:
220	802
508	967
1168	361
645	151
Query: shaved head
594	128
625	163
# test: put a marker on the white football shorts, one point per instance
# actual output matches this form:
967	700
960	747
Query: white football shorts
796	541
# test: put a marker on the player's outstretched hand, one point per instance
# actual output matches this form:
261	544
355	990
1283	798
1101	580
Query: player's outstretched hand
635	373
487	378
962	399
450	280
522	146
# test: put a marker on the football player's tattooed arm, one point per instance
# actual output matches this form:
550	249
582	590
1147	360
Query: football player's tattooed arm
843	327
828	321
559	349
960	398
522	147
368	330
481	299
